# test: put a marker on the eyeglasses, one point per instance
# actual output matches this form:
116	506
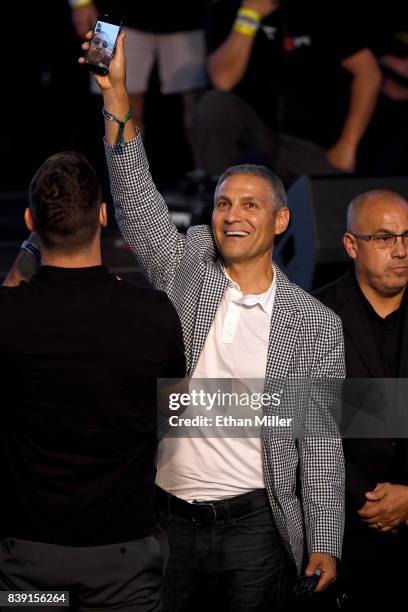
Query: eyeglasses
383	241
99	41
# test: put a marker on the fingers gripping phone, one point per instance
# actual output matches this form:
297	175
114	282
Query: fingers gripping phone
102	45
305	585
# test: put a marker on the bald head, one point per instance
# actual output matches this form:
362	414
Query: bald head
361	205
381	264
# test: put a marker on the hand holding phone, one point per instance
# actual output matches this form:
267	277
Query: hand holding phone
305	585
102	44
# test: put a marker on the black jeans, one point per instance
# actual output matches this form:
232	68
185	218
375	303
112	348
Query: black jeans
234	564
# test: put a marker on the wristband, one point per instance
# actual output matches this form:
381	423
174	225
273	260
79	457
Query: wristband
247	22
32	249
243	27
79	3
248	13
119	140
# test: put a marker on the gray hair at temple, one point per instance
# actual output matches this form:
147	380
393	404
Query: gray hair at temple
357	203
273	179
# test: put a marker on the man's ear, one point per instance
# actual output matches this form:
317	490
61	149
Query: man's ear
29	221
103	215
282	220
350	244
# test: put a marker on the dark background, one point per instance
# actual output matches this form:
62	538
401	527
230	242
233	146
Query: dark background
46	107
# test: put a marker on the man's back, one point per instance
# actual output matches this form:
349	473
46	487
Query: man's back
80	352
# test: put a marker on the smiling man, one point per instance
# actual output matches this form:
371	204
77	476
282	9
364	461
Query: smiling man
230	506
372	305
249	210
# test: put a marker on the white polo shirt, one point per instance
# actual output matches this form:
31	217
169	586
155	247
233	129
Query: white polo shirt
236	347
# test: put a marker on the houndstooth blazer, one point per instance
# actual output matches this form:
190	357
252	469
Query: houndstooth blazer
306	341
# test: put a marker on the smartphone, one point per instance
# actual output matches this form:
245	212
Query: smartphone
305	585
102	45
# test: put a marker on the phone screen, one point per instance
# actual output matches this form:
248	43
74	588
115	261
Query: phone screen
102	44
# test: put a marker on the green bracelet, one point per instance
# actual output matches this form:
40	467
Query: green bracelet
119	140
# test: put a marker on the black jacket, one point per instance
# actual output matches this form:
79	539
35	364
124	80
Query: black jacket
368	460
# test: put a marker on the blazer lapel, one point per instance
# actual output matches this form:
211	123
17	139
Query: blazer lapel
286	323
214	286
357	327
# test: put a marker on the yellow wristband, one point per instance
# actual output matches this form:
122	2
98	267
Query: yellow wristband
245	28
247	12
79	3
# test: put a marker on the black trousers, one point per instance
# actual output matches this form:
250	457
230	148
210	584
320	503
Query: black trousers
126	576
231	560
227	131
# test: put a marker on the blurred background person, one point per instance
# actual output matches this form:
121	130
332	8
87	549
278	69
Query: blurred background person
295	85
385	149
54	86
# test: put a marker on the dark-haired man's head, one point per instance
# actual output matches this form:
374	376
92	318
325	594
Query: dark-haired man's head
65	204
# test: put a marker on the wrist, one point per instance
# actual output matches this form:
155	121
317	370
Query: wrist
79	3
32	249
348	143
121	121
248	8
247	21
116	100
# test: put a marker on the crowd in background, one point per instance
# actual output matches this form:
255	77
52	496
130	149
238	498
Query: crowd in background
51	83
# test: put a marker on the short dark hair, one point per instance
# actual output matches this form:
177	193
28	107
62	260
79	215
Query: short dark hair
65	197
273	179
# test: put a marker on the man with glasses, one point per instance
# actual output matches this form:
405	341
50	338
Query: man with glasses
371	302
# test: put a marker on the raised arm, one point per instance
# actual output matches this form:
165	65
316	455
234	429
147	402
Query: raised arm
141	212
227	64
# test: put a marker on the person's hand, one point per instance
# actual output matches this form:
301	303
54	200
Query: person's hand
116	78
399	65
84	19
386	507
342	156
327	564
390	87
394	90
262	7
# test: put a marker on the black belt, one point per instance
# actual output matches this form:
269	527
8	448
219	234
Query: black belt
211	511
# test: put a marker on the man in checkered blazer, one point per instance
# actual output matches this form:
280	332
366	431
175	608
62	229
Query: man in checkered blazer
231	506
